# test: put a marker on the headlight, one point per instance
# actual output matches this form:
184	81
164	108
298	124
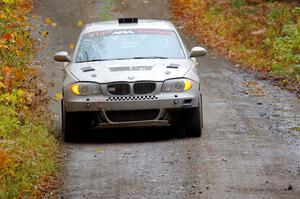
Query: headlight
86	88
177	85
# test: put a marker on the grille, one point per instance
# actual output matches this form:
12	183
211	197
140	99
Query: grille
119	89
128	116
142	88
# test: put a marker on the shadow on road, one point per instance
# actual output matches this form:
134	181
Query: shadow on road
129	135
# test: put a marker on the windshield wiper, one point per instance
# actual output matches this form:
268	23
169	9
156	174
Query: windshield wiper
151	57
95	60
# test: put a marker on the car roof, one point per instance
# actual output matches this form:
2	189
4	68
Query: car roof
141	24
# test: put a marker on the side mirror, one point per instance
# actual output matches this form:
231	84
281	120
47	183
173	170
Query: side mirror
62	57
198	52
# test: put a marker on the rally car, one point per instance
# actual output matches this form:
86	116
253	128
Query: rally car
129	73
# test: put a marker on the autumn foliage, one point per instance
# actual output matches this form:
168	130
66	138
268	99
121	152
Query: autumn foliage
259	35
27	148
16	46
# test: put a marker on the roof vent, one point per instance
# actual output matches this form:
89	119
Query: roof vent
128	20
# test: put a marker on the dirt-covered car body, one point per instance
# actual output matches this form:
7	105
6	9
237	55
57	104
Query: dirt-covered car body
134	90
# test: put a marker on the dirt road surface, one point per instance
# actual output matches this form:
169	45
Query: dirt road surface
247	150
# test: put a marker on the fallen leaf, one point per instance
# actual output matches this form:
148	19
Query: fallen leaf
48	21
19	41
25	107
7	70
3	16
254	89
44	33
35	17
99	150
7	36
259	32
72	46
80	23
2	85
223	159
249	83
58	96
52	84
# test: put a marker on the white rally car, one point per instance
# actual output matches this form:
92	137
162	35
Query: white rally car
131	73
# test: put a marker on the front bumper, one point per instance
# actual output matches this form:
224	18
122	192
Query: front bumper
163	102
100	103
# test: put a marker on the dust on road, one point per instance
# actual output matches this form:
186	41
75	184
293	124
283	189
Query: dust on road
247	149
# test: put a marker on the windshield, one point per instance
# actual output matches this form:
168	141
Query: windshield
129	44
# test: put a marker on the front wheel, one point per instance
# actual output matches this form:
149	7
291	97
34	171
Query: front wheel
191	120
73	123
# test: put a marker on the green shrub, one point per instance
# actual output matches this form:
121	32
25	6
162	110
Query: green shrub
286	51
27	154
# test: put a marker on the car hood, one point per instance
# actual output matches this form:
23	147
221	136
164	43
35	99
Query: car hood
130	70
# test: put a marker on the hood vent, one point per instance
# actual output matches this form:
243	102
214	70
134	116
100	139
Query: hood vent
173	66
87	69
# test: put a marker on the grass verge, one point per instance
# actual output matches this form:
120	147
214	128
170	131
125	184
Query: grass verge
28	149
262	35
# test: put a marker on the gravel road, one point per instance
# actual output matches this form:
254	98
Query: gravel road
247	150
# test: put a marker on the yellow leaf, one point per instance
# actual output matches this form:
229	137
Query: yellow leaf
3	16
2	85
44	33
35	17
18	52
100	150
72	46
20	93
80	23
48	21
58	96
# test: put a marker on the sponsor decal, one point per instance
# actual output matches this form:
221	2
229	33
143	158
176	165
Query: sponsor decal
128	32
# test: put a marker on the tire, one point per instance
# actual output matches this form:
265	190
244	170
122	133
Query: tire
194	120
69	131
73	124
191	120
